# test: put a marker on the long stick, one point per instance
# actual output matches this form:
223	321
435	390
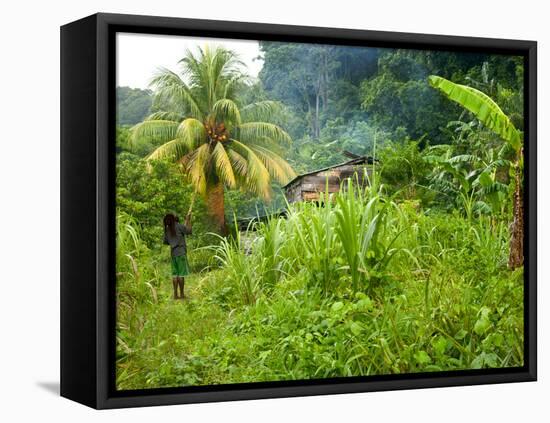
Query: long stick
192	203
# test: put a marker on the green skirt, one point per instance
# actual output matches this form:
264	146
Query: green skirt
180	266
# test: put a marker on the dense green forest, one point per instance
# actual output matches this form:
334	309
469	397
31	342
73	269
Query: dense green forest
133	105
417	271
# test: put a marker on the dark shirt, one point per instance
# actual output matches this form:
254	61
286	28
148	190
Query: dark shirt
177	243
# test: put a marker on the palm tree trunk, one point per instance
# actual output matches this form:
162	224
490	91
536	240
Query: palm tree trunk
516	241
216	207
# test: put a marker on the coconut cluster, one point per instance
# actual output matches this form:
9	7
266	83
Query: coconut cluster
217	132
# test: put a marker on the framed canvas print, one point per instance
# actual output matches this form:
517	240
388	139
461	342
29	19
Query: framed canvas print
255	211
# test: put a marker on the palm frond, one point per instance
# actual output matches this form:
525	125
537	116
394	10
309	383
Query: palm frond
173	150
196	74
211	69
161	130
225	66
277	167
233	83
257	176
192	133
224	168
162	115
197	168
269	144
251	132
265	110
239	164
170	87
227	111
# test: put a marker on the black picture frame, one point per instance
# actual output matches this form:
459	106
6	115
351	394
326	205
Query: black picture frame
87	210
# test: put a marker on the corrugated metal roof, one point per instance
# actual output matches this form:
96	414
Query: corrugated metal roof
357	160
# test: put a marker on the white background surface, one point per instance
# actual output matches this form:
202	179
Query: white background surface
29	178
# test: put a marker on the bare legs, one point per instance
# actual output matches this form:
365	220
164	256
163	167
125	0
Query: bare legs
175	285
181	283
178	282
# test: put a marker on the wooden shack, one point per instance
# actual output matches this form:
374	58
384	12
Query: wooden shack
308	186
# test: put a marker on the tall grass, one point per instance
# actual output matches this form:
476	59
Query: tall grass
367	227
244	274
359	285
351	236
311	243
138	271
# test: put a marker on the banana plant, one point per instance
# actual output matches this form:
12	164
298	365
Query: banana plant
491	115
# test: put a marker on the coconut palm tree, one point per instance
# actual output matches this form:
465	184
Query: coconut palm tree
492	116
218	142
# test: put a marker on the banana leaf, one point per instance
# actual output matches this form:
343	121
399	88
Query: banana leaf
482	106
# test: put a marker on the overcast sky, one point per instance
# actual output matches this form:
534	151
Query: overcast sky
140	55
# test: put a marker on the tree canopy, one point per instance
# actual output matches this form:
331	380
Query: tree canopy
133	105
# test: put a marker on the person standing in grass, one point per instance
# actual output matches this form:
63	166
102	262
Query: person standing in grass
174	236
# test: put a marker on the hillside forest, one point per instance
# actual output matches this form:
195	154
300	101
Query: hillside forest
418	270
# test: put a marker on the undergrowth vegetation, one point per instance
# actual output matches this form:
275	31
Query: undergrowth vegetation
361	285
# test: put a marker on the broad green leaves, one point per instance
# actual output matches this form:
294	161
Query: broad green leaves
422	357
483	322
337	306
482	106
